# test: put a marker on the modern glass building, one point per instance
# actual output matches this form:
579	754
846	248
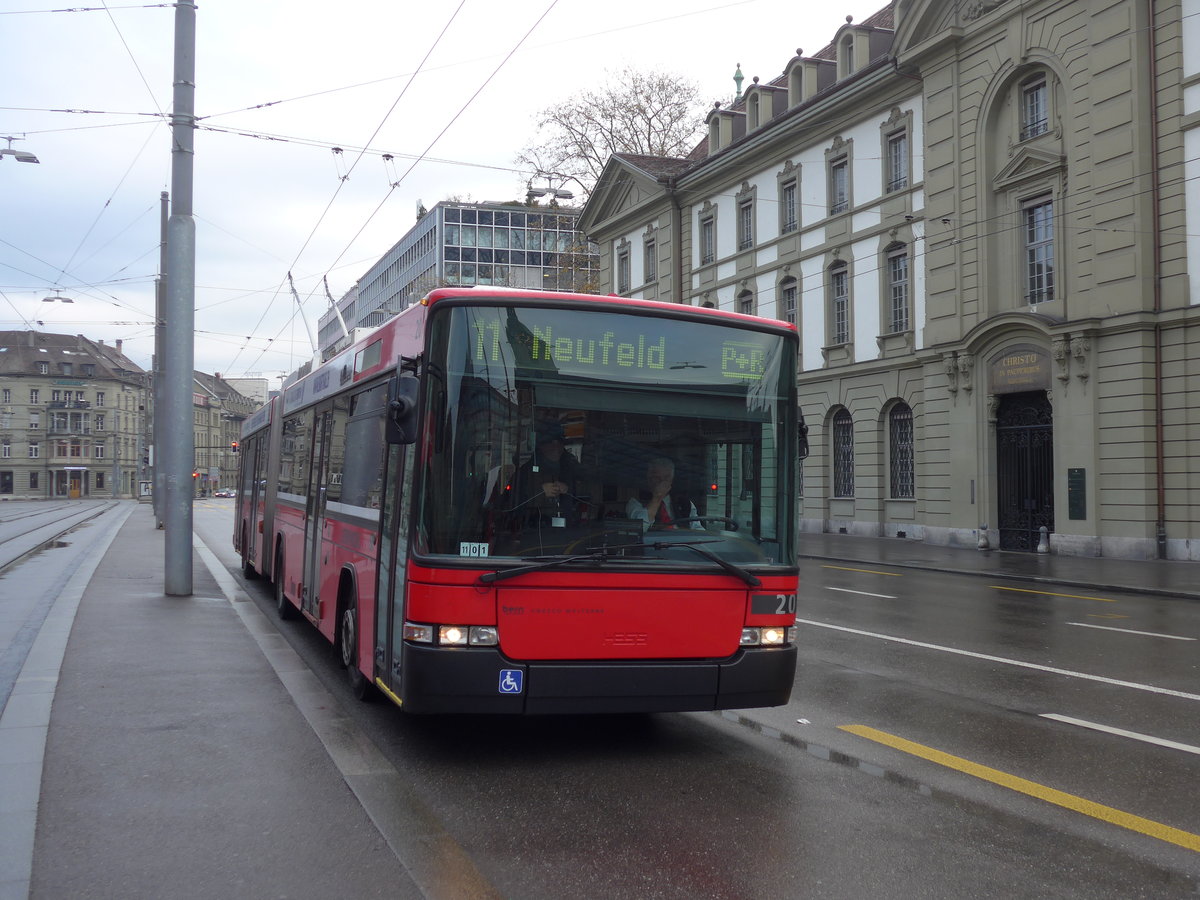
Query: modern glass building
454	243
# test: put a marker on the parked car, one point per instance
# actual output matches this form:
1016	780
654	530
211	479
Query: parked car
225	492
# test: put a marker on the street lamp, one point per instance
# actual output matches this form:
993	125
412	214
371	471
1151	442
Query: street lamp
57	296
21	155
554	193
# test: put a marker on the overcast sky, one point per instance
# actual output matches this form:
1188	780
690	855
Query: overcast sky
451	91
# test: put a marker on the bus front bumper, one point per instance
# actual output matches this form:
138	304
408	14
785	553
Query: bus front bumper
483	680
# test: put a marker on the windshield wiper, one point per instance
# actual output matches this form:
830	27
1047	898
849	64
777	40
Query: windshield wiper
733	569
602	555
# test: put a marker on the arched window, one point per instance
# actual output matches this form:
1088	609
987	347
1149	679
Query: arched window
901	460
843	454
745	303
788	296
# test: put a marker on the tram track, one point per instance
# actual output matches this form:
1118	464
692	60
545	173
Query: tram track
15	547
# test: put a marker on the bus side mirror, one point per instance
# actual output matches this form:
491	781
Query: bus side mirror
402	410
802	443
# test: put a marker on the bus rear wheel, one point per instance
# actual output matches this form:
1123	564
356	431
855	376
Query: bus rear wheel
282	606
359	686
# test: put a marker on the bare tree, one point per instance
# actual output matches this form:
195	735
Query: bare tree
644	112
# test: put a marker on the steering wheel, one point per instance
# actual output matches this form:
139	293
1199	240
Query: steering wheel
732	525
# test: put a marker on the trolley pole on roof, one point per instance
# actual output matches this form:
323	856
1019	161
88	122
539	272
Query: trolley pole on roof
180	313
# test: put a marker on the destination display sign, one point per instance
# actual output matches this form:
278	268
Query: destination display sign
641	348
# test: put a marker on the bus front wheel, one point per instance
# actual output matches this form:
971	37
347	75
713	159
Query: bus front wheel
359	686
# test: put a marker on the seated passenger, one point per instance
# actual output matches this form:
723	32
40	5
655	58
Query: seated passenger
654	505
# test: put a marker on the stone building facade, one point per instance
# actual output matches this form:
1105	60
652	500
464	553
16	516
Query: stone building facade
979	217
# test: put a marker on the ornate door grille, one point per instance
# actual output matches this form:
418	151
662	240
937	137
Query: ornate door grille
1025	469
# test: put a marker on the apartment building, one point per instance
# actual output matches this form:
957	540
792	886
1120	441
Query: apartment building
74	415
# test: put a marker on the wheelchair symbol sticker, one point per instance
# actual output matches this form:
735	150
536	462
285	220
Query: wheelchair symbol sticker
511	681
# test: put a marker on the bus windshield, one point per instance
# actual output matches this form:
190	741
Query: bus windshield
622	435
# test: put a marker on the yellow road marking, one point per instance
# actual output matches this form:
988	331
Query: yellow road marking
1031	788
1105	616
997	587
868	571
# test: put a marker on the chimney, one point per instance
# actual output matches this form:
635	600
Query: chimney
118	345
218	376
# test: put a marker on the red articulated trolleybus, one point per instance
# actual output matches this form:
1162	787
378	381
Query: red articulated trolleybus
529	502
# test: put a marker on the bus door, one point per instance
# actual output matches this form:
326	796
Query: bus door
314	519
392	568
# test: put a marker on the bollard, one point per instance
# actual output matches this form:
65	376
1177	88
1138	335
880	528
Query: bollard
1044	540
983	540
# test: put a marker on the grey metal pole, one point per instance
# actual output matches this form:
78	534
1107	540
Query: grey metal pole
178	339
158	490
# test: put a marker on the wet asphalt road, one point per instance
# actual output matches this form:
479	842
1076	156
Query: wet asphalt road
915	759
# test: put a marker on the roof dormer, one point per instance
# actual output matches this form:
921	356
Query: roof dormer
724	127
806	76
853	49
763	103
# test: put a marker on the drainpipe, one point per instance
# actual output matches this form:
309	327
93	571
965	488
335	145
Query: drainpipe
1156	275
677	235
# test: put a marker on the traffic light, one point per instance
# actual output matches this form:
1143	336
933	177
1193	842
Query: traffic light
233	446
195	474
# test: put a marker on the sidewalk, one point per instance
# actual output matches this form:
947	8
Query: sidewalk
176	764
1170	578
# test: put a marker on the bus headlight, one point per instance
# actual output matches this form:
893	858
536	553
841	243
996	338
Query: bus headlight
768	636
421	634
452	635
773	636
484	636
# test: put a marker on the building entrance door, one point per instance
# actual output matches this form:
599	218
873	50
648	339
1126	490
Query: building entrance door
1025	469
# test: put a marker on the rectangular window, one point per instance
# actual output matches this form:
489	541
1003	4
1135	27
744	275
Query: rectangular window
623	272
35	450
787	208
43	368
33	481
67	368
649	263
707	241
839	186
5	449
1039	252
6	395
99	398
1035	115
35	421
839	290
897	268
897	161
98	449
34	394
56	396
100	421
99	481
746	225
